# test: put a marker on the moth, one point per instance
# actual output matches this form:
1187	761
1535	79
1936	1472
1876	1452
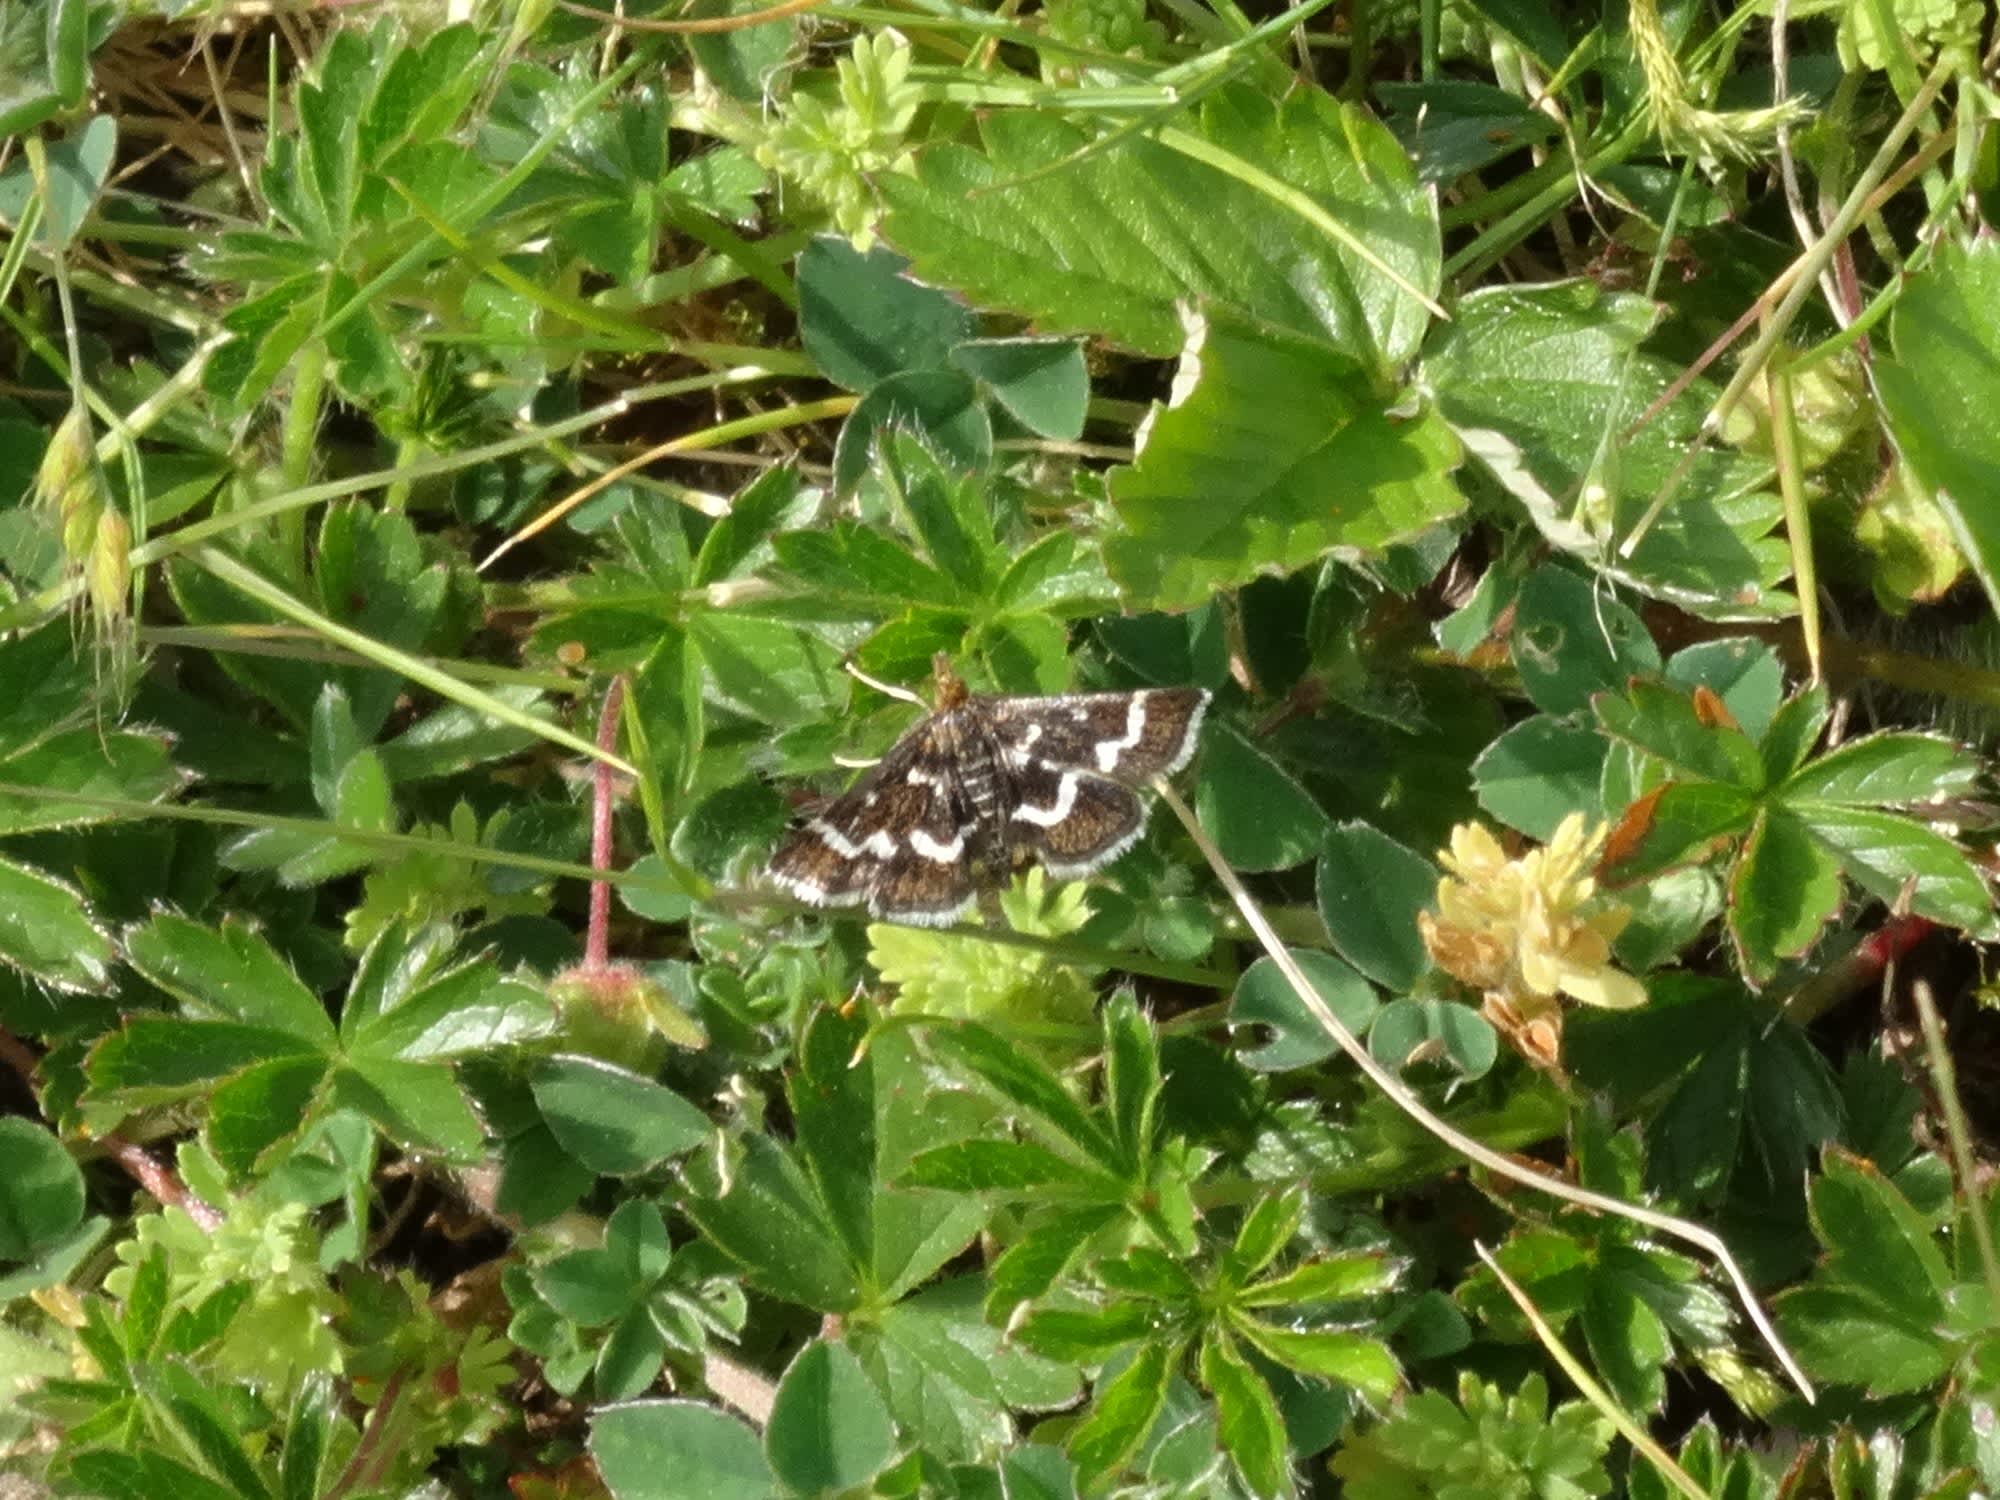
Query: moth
985	785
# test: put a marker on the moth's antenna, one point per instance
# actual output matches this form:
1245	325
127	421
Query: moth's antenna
888	690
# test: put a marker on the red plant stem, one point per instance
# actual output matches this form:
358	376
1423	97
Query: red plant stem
151	1174
159	1179
597	934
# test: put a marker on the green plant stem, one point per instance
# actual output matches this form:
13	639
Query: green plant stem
1628	1427
295	643
389	843
248	581
1400	1095
49	601
1944	1073
1798	517
1804	274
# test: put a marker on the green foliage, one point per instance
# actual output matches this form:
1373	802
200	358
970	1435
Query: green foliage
1488	1443
443	461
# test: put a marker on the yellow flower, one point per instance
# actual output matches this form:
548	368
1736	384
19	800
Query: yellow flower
1530	929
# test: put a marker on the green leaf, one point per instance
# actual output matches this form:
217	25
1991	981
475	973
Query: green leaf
1041	383
1545	386
47	933
1252	1432
1370	891
833	1102
1795	728
764	1215
230	972
862	319
1745	673
1875	1239
417	1104
1020	1079
1569	644
41	1190
160	1057
829	1429
123	764
1265	998
712	1453
630	1357
1335	1278
1131	1076
1843	1333
1628	1343
1111	242
1667	725
1351	1358
1684	823
1782	891
1265	1231
1029	1267
611	1120
1273	453
589	1287
995	1166
1883	852
939	408
467	1009
259	1107
1881	769
308	1427
1539	772
1123	1412
1940	391
1260	817
1418	1028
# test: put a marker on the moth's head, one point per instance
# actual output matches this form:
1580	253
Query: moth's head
948	689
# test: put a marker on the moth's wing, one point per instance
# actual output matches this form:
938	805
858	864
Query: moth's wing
1130	737
1071	820
894	841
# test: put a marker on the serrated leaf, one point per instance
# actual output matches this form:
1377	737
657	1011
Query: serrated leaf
766	1218
1568	643
1123	1412
1271	454
229	972
1351	1358
1543	383
1885	769
416	1104
1250	1429
260	1106
1883	853
1021	1080
1783	890
47	933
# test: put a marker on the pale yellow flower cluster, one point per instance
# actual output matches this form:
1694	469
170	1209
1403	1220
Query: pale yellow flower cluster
1529	930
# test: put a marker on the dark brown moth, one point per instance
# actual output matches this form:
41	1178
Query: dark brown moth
984	785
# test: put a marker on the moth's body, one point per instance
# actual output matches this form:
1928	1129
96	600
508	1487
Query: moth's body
984	785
